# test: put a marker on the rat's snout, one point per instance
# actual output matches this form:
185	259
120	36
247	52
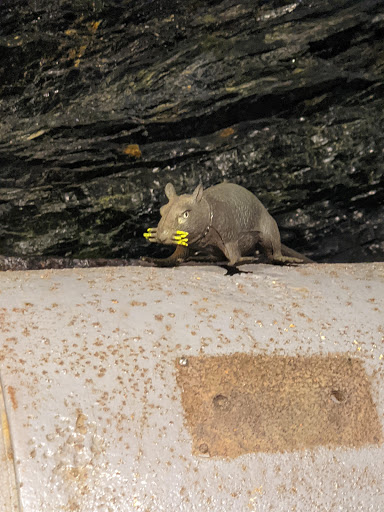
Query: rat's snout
164	236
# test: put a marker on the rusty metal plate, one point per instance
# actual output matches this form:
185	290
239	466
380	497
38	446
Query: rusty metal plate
242	404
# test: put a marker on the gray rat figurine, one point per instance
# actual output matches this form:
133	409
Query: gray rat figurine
225	219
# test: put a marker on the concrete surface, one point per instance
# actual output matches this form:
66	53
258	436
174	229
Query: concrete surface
89	361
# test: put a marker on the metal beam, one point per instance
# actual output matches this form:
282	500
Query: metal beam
94	366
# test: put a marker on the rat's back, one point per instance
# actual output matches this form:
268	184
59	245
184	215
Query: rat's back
235	209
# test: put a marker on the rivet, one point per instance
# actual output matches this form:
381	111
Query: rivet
338	396
221	402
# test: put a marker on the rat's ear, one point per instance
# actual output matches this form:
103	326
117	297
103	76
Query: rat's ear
170	191
198	193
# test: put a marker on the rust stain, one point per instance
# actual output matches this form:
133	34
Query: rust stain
6	435
12	396
77	460
93	26
227	132
81	422
137	303
4	428
132	150
245	404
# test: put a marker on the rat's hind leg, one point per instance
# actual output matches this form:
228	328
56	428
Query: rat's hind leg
271	245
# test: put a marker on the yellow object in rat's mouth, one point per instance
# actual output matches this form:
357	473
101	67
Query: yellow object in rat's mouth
148	233
181	238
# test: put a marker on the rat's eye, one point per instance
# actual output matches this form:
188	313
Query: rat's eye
183	217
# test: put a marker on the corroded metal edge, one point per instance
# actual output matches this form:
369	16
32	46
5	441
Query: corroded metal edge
9	496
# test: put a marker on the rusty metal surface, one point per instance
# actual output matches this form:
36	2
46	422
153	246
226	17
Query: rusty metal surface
87	361
246	404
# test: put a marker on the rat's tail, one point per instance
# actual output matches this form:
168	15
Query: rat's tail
286	251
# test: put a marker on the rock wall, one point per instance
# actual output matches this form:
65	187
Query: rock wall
103	103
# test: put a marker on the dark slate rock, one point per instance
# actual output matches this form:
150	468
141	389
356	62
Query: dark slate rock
103	103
